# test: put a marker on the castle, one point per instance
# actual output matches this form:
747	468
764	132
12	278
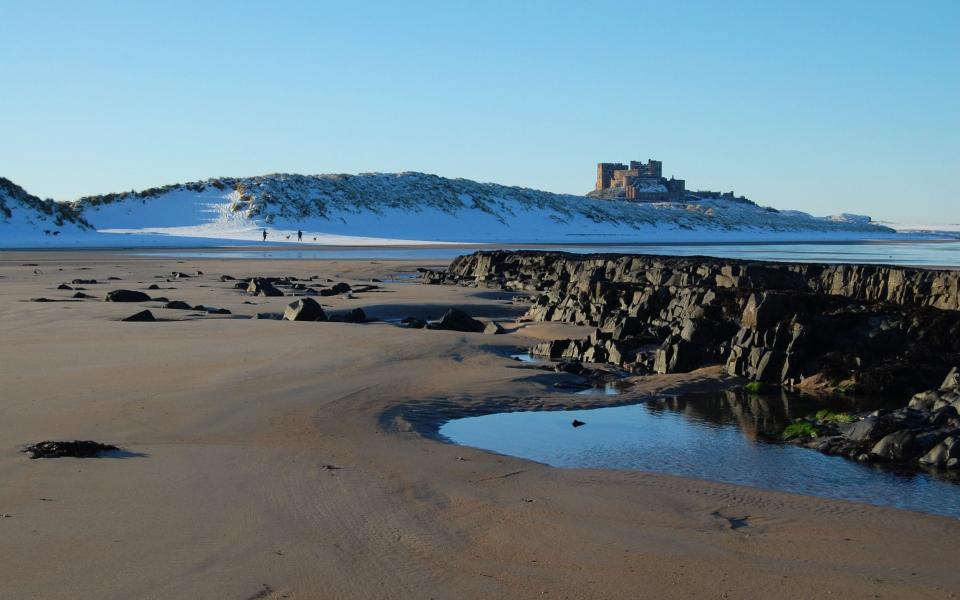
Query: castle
640	182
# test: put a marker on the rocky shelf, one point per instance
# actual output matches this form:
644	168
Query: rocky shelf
848	328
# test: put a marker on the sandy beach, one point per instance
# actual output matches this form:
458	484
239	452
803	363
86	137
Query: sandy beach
270	459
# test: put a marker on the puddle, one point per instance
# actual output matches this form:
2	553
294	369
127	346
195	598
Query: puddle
728	437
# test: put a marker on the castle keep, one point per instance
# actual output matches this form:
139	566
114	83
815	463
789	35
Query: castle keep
640	182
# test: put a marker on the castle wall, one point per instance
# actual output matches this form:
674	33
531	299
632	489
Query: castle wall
618	175
605	173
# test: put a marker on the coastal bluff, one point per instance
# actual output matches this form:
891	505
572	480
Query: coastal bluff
873	329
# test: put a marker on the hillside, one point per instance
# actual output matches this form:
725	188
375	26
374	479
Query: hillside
381	208
23	213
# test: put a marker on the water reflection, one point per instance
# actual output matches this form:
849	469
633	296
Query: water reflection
730	437
759	416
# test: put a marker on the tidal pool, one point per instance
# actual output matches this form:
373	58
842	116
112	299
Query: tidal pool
729	437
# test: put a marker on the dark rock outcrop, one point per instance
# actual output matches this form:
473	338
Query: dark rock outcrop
876	329
924	433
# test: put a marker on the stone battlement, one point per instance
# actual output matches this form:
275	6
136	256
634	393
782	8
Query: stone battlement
640	182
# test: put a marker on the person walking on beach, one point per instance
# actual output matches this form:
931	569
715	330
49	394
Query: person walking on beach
299	236
264	235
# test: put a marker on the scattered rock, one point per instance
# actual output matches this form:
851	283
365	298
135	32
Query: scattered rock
82	296
64	286
144	316
262	287
337	289
274	316
74	449
126	296
177	305
304	309
457	320
84	282
493	328
212	310
153	286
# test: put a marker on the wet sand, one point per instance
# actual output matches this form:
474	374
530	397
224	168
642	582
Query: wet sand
273	459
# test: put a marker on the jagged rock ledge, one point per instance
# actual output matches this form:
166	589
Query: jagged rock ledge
869	329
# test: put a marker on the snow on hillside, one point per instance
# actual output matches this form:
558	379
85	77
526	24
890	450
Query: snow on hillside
414	208
24	216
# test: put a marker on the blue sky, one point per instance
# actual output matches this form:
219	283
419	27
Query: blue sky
820	106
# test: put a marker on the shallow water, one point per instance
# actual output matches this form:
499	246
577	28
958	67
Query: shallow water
929	253
728	437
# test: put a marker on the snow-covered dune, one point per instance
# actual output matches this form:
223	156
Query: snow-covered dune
26	220
405	208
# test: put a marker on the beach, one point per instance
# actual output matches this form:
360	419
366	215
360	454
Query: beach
275	459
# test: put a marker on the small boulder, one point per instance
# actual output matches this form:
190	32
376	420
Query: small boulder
126	296
74	449
304	309
212	310
177	305
457	320
64	286
271	316
262	287
493	328
939	455
144	316
899	446
336	290
577	423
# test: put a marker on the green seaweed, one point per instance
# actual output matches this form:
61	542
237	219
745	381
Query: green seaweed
801	429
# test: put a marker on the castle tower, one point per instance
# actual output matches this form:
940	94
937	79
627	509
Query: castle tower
605	173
